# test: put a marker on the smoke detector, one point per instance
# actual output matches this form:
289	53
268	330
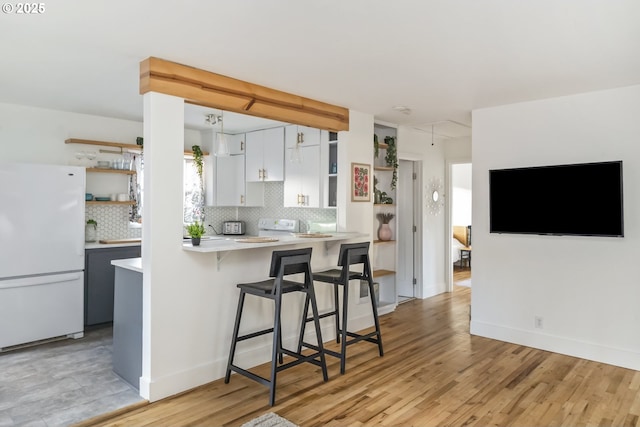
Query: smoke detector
402	109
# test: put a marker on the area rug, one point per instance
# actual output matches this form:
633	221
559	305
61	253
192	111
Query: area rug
269	419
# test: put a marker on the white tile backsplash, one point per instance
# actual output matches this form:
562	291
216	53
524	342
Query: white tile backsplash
113	220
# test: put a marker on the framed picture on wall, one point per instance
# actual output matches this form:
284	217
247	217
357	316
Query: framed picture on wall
360	182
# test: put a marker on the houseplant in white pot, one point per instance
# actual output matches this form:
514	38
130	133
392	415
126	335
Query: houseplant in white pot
195	230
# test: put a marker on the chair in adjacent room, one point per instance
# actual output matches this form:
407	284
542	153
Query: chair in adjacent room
283	263
351	254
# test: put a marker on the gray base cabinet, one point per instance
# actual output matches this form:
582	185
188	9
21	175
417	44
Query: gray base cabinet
99	277
127	326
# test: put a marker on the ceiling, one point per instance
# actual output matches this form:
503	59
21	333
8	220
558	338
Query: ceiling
441	59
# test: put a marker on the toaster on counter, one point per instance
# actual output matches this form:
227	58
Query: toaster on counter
233	227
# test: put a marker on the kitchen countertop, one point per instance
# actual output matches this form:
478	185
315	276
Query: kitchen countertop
96	245
133	264
230	243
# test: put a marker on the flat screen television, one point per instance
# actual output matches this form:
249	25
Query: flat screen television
579	199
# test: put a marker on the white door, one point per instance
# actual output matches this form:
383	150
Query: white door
405	271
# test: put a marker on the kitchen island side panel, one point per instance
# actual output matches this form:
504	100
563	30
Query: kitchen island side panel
127	326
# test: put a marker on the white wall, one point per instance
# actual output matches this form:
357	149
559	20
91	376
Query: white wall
30	134
415	144
584	288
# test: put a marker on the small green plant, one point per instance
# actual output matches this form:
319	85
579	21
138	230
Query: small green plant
197	158
195	230
385	218
92	222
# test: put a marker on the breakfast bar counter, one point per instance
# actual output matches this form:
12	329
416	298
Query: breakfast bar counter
224	244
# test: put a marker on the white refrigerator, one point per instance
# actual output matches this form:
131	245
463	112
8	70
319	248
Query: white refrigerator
41	252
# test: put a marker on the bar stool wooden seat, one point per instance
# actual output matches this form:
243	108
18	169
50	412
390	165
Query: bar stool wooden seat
283	263
351	254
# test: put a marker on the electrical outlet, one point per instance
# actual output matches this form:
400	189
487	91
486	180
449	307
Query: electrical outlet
538	322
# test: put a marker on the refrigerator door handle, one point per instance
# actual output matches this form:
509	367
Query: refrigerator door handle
39	280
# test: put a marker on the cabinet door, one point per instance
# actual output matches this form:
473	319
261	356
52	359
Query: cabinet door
254	155
99	277
302	183
273	163
230	181
310	136
236	143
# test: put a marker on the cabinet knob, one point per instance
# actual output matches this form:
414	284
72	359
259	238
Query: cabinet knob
241	145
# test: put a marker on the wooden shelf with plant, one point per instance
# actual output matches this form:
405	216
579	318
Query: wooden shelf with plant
382	272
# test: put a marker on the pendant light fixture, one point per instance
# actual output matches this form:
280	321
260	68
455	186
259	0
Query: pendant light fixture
221	147
296	153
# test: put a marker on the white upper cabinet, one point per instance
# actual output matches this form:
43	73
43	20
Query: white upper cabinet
264	155
303	135
235	143
230	186
302	183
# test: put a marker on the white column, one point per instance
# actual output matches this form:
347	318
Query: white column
161	234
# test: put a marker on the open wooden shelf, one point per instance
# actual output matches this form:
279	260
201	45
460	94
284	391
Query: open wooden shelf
383	145
383	168
383	241
391	205
105	170
93	202
121	145
382	272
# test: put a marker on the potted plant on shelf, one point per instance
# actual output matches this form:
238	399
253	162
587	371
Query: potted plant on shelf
90	230
384	232
195	230
392	158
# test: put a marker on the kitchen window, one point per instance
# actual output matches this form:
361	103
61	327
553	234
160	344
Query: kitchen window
193	193
194	196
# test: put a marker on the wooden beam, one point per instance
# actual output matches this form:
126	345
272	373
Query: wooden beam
209	89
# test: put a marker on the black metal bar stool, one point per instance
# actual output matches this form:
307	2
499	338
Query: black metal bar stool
351	254
283	263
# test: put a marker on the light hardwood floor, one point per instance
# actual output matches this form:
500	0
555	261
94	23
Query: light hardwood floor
433	373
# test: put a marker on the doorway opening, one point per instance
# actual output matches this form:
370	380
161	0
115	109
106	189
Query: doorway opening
461	227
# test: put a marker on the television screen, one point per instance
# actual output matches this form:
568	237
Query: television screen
580	199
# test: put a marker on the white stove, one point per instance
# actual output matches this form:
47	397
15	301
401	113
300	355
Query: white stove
275	227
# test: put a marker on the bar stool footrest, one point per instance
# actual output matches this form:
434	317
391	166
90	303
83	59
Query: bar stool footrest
316	348
254	334
300	358
250	375
367	337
